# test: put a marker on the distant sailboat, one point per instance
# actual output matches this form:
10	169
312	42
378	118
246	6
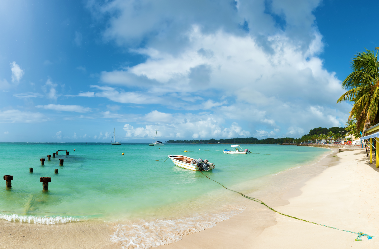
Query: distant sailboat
114	137
156	142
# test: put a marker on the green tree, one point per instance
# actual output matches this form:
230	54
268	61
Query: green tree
362	89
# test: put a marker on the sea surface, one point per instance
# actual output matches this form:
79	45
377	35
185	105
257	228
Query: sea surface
97	182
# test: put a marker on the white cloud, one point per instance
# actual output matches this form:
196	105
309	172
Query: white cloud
65	108
183	126
6	132
126	97
28	95
74	137
50	90
269	75
58	135
86	94
17	72
17	116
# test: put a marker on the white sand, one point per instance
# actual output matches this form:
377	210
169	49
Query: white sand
345	196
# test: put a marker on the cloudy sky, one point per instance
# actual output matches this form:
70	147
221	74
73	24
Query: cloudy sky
71	71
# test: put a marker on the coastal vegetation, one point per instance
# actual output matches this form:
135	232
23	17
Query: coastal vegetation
362	90
315	135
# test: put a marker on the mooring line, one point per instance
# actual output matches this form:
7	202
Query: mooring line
360	234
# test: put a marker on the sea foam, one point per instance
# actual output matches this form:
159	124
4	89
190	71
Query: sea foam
148	234
38	220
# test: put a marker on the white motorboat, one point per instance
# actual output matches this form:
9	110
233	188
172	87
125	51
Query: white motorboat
191	164
238	150
114	137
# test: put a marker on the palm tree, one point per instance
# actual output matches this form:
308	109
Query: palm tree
362	85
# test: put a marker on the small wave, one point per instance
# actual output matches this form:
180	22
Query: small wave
143	234
38	220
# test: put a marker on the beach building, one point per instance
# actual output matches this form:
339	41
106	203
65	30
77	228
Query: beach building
370	134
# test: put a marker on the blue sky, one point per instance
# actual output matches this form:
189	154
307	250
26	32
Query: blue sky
71	71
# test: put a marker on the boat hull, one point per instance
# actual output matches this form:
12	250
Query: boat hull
185	162
234	152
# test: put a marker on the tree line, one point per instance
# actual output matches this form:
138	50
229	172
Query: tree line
314	135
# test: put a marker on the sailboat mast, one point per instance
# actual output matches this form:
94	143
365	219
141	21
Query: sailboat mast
114	134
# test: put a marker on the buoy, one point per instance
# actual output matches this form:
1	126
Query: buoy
185	151
74	150
199	149
122	153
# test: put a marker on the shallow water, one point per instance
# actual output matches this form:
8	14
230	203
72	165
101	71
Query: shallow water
98	182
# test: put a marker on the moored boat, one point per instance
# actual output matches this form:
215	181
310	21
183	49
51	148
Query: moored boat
191	163
114	136
238	150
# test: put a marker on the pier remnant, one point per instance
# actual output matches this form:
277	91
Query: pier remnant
42	161
45	183
53	155
30	170
61	162
56	171
67	152
48	157
8	181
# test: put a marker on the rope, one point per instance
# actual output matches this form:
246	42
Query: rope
360	234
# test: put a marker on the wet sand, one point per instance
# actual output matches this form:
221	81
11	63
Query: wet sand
339	190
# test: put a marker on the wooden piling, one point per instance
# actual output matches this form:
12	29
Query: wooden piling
8	181
45	182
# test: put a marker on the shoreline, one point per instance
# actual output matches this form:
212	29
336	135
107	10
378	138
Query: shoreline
254	227
243	230
340	192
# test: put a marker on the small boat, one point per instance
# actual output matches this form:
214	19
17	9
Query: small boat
156	143
238	150
114	137
191	164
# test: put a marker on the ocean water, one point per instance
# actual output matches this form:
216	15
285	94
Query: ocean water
149	200
98	182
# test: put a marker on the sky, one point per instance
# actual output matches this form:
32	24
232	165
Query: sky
75	70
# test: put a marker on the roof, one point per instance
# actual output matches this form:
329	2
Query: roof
372	129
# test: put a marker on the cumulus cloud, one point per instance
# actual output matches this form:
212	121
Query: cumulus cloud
6	132
17	72
58	135
183	126
65	108
261	57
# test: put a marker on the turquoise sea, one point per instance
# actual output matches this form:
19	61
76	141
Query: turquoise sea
98	182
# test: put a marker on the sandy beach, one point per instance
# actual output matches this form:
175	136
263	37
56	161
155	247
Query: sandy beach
340	191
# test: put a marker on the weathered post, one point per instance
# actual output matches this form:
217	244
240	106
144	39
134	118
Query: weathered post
8	182
48	157
53	155
56	171
61	162
42	161
67	153
45	182
30	170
